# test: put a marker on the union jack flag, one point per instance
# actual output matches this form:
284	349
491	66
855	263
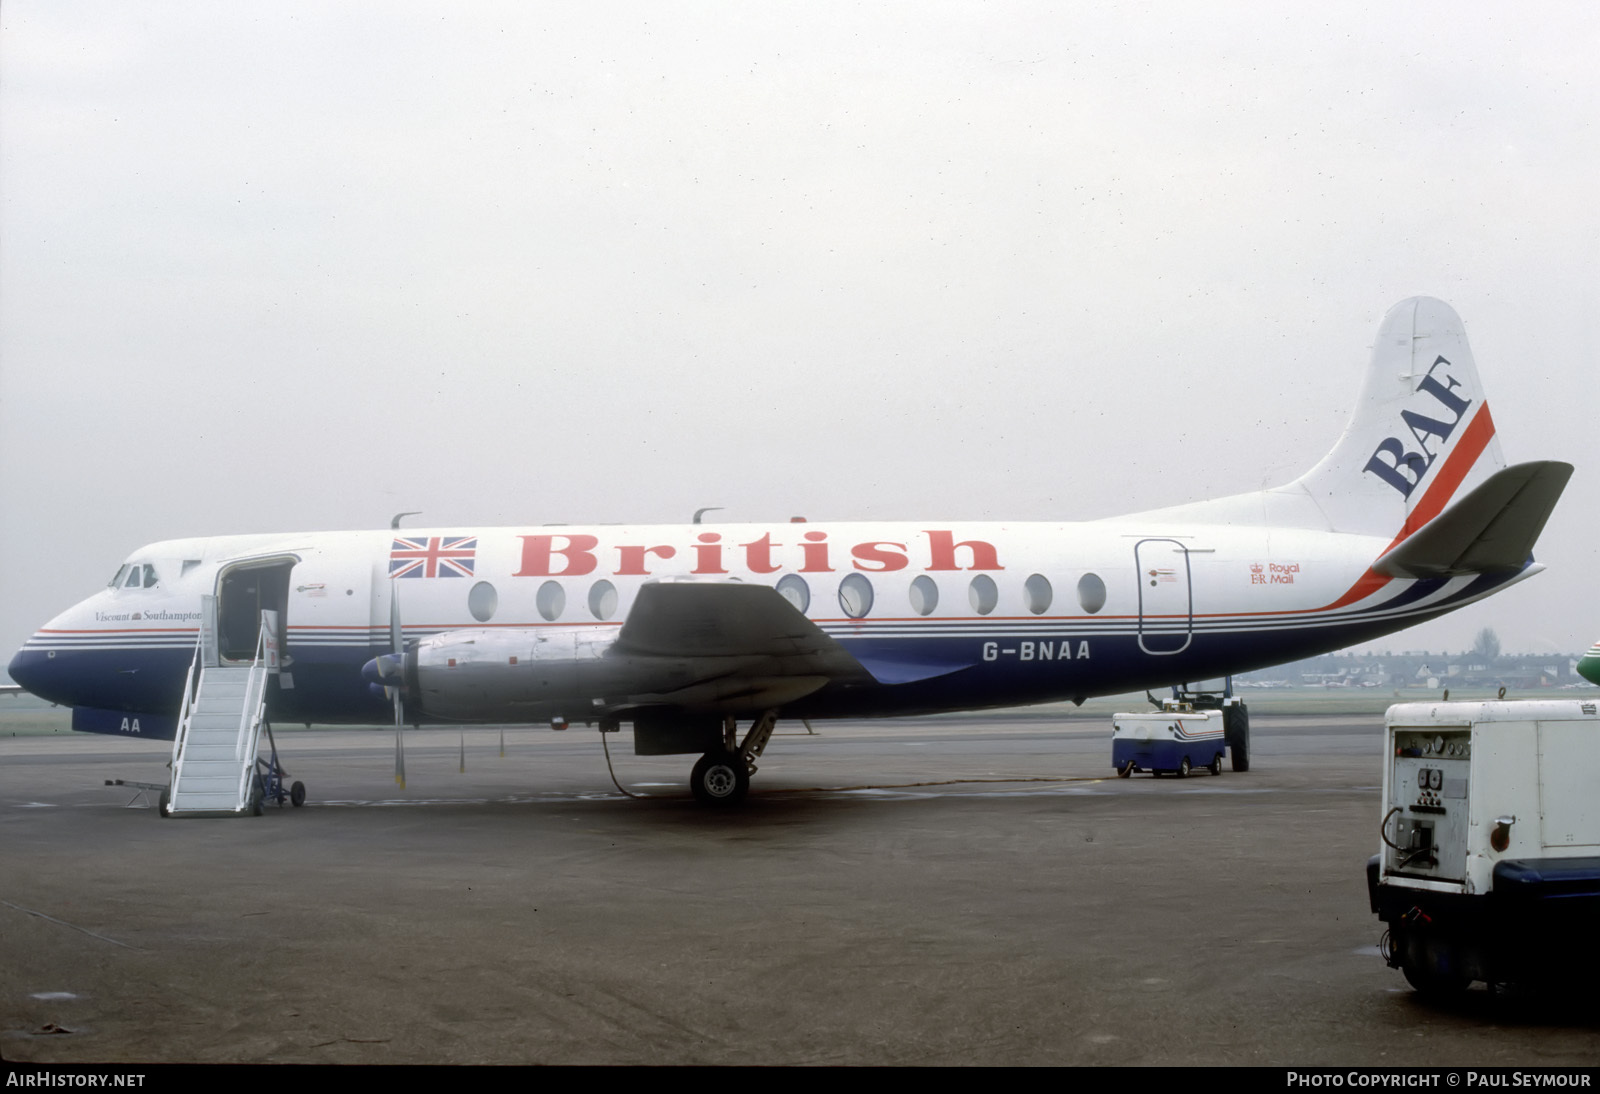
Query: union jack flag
434	556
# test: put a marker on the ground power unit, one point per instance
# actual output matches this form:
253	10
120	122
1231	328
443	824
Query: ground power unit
1489	860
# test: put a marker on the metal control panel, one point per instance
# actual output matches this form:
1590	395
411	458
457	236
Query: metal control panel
1425	825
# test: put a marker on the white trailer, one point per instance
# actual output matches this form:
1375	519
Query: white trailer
1489	860
1176	739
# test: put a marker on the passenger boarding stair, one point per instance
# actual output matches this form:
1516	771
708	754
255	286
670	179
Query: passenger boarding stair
219	731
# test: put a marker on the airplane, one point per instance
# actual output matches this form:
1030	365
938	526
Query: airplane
685	631
1589	664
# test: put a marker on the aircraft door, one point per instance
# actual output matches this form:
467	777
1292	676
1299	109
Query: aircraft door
244	589
1166	600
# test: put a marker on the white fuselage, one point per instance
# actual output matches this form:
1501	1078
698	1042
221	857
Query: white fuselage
943	616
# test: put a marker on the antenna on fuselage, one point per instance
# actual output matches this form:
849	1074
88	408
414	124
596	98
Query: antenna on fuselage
698	513
395	522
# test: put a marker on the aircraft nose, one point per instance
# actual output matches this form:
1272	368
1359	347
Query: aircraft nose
29	668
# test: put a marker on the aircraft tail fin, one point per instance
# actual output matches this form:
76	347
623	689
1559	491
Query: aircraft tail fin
1420	436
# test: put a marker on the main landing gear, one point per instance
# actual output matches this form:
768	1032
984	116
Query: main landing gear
722	777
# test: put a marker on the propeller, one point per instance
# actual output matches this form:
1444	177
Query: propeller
386	676
396	644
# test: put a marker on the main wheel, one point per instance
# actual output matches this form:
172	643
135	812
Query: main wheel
720	778
1236	732
297	794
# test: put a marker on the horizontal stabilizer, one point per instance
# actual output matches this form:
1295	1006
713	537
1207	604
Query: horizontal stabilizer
1491	529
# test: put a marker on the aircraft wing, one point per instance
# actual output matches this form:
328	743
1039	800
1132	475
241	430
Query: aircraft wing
720	619
746	644
731	619
1491	529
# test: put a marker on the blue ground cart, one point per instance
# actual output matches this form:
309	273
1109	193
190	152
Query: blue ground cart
1177	740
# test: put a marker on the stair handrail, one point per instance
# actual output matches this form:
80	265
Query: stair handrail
249	738
185	715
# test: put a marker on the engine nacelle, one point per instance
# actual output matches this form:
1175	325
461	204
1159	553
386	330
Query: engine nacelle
532	674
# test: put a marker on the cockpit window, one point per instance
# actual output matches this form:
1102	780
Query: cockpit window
135	576
116	582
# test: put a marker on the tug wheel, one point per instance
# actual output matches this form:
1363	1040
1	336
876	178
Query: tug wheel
1125	770
1434	984
720	778
1183	769
1236	731
1433	970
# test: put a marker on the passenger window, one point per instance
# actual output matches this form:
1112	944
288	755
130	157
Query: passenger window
983	594
855	596
602	600
482	601
1038	594
924	595
552	600
1091	593
794	589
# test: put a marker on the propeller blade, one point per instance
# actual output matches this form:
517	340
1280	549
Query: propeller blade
394	617
399	742
395	643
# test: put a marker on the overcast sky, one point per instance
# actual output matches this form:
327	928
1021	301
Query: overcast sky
290	266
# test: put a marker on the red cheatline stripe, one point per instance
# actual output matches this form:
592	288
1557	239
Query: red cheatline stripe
1480	431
